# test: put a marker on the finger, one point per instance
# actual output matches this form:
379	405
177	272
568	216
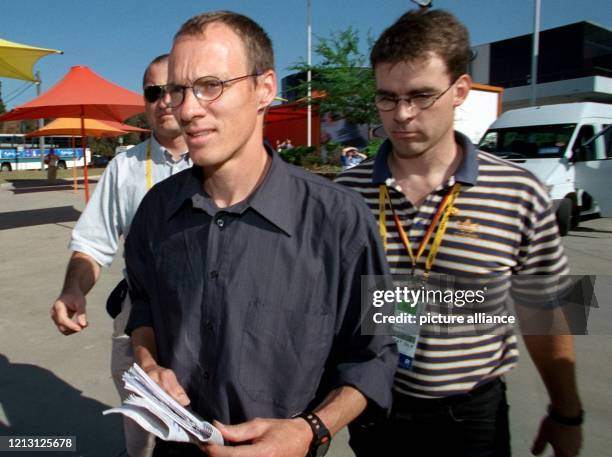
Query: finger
171	385
242	432
247	450
65	331
538	445
62	321
81	317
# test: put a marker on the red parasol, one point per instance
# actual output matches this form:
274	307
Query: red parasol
84	94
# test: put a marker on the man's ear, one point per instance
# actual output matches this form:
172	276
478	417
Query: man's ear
266	89
462	89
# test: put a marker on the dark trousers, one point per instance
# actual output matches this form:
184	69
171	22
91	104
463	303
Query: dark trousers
470	425
173	449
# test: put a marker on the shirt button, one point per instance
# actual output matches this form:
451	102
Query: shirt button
213	274
220	223
206	376
208	325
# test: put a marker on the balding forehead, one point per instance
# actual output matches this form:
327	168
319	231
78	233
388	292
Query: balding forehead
158	61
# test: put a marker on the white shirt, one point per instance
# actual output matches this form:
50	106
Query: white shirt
110	211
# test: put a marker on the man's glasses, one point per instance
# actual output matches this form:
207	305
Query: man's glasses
206	89
421	102
153	93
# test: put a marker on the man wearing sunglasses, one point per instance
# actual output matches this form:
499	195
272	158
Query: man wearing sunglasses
246	284
444	208
107	217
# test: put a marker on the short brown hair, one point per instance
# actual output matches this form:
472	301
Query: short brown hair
155	61
418	33
256	41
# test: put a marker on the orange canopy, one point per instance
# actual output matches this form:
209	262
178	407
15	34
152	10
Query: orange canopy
93	127
82	93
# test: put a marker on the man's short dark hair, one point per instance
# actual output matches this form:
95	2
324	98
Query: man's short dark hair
418	34
257	44
155	61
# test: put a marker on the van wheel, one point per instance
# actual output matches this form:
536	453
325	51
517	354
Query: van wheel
575	220
5	167
61	165
564	216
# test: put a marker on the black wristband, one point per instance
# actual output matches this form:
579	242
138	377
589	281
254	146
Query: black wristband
564	420
321	436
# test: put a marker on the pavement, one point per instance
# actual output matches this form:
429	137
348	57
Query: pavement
51	384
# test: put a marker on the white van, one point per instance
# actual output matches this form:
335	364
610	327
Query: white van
567	146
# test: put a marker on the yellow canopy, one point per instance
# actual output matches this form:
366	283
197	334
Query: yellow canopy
17	60
72	126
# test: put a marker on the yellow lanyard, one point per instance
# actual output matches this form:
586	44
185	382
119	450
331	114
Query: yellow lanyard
149	166
445	209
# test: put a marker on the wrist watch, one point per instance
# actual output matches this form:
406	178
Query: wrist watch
321	437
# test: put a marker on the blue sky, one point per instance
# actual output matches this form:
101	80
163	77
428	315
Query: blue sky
118	38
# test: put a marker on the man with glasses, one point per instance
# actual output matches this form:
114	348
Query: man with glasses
243	307
107	217
444	208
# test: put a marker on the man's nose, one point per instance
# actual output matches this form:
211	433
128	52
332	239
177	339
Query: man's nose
404	110
190	108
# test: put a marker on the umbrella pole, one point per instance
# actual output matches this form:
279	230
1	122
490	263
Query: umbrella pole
74	166
84	145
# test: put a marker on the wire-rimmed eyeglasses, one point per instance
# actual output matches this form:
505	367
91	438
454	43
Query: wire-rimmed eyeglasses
206	88
385	102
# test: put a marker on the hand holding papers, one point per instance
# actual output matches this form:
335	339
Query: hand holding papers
158	413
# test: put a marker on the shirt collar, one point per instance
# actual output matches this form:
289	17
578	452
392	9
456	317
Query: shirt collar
273	199
466	173
161	155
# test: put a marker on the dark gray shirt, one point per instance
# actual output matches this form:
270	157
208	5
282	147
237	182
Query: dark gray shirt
256	307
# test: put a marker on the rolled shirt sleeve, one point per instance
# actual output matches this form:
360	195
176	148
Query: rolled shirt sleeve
365	362
98	229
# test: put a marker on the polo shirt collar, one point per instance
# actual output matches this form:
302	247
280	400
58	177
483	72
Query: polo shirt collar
466	173
273	199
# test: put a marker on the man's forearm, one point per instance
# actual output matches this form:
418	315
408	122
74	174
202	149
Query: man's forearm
82	273
554	357
145	348
340	407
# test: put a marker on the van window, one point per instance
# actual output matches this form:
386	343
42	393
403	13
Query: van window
532	142
588	152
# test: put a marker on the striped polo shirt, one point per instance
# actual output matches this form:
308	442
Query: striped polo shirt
504	225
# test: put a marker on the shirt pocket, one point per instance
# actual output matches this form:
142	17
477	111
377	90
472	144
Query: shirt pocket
283	353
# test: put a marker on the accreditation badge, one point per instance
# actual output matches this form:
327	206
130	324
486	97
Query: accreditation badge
407	311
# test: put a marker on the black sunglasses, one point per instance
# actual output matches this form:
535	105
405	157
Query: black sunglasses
154	93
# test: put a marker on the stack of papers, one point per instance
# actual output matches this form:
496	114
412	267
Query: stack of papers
158	413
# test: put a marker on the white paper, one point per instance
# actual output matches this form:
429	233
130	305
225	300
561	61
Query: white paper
158	413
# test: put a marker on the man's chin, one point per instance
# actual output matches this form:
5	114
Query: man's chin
168	124
412	151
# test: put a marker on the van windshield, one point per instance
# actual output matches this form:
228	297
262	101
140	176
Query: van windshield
531	142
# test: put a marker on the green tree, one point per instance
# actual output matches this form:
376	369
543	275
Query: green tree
343	78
